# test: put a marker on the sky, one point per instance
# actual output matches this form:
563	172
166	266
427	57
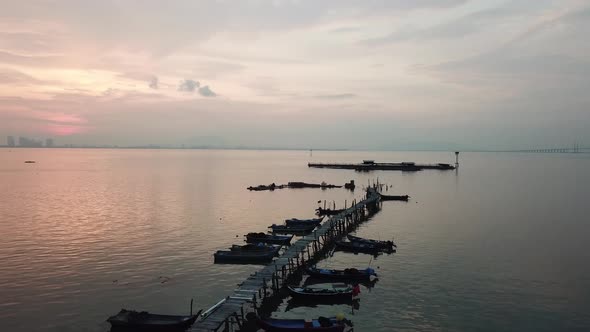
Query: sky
342	74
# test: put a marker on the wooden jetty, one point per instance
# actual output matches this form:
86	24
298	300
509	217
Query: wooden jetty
229	314
371	165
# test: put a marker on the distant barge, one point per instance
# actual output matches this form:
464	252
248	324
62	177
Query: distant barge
371	165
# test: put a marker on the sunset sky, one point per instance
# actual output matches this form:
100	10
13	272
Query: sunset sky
390	74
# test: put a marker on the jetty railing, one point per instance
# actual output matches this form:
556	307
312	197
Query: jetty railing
230	313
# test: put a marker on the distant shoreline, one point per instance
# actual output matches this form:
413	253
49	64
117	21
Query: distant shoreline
583	150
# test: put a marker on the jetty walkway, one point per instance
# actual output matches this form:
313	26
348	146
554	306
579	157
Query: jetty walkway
229	313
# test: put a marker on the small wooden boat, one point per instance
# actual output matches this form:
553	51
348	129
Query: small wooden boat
144	321
243	257
382	244
394	197
299	222
268	238
285	229
360	247
258	247
328	212
346	274
341	291
30	161
323	324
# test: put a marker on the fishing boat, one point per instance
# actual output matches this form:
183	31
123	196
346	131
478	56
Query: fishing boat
382	244
299	222
346	274
337	291
328	212
299	229
358	247
243	257
268	238
323	324
394	197
258	247
144	321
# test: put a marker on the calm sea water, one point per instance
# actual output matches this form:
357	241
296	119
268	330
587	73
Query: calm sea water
500	245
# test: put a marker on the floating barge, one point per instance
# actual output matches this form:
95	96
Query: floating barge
371	165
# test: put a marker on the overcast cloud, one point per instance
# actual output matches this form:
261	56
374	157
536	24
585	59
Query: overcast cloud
360	74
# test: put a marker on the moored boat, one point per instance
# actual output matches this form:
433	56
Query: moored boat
285	229
243	257
323	324
346	274
382	244
394	197
144	321
299	222
258	247
328	212
325	293
358	247
268	238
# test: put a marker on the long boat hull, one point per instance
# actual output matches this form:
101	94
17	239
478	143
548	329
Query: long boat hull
381	244
347	274
395	197
298	325
360	247
144	321
328	212
326	294
268	238
239	257
300	229
303	222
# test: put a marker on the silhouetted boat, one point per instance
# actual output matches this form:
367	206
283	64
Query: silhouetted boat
335	292
304	222
268	238
258	247
327	212
346	274
368	283
144	321
300	325
30	161
243	257
299	229
394	197
358	247
322	185
382	244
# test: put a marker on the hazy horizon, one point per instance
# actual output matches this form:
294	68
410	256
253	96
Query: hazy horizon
378	75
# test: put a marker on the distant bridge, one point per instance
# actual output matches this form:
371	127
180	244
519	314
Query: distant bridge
571	149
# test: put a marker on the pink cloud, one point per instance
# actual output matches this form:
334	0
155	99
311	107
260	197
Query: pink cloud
64	130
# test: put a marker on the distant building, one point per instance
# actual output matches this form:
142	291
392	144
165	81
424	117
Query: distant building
10	141
49	143
29	143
